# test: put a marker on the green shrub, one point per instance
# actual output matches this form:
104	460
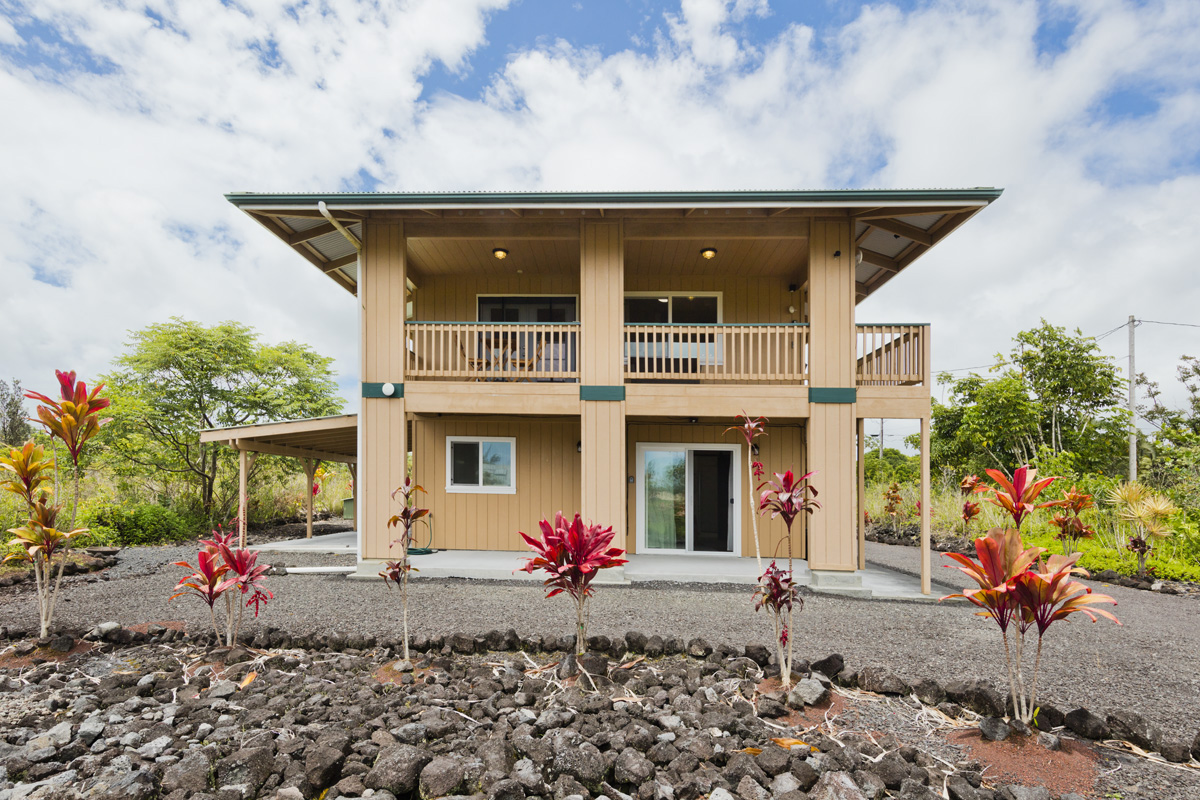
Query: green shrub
143	523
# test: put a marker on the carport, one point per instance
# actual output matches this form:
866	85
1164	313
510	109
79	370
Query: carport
309	440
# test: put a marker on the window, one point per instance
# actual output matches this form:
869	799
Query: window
480	464
538	308
645	308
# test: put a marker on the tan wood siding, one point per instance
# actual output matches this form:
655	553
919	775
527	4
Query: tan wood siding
547	480
382	462
832	342
781	449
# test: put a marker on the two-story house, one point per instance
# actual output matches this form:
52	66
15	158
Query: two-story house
524	353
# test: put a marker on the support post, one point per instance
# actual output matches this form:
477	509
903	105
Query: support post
310	471
354	488
242	505
602	422
862	496
925	509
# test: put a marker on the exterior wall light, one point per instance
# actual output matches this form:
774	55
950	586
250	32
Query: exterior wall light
388	389
709	253
500	253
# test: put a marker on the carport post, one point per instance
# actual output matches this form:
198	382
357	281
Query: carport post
862	498
242	469
310	470
926	511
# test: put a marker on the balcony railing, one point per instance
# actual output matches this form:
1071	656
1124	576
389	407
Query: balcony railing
893	355
493	351
717	353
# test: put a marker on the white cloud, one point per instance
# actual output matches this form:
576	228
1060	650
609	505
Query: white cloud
117	171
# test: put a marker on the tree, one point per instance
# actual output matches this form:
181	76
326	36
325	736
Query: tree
1055	393
180	377
14	428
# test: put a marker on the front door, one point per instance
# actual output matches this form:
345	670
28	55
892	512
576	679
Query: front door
686	498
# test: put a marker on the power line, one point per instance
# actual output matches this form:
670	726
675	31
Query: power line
1180	324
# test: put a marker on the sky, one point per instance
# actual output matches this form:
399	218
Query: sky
128	121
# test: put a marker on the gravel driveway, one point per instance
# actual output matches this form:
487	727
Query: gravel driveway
1148	664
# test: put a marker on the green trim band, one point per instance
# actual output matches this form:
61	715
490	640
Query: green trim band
832	395
602	393
375	390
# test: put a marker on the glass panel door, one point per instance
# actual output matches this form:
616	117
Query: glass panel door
666	499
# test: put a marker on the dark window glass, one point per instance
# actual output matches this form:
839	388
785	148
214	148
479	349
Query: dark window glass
527	309
694	310
646	310
464	463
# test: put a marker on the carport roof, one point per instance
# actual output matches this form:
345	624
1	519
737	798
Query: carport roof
320	438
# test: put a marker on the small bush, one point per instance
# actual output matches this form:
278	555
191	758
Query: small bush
144	523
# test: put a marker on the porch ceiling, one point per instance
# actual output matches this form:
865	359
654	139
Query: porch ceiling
321	438
892	228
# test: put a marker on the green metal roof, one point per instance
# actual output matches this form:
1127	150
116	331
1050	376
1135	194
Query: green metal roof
979	194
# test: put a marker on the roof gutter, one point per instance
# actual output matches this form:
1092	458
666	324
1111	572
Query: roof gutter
350	237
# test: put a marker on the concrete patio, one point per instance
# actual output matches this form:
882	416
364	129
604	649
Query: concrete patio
875	582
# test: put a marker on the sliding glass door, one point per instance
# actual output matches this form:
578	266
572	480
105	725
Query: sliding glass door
686	498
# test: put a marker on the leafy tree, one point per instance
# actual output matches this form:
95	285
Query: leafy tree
1056	393
180	377
1175	448
894	466
14	428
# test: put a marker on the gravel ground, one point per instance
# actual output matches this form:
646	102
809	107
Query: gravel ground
1148	664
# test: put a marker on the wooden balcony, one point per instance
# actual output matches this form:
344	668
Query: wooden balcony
893	355
493	351
721	353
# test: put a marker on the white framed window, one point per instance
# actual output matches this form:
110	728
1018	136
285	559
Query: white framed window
481	465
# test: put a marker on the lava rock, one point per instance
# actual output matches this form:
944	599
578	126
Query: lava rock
190	773
977	695
1018	792
593	663
398	769
929	692
831	664
836	786
807	692
1086	724
441	777
1133	727
741	765
994	729
1175	752
880	681
323	766
632	768
759	654
699	648
250	765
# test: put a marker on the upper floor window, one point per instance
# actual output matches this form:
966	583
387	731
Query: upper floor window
480	464
666	307
536	308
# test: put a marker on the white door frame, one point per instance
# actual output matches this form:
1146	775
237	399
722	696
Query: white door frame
735	522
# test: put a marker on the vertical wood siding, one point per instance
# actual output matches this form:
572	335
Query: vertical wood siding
382	462
782	448
547	480
832	342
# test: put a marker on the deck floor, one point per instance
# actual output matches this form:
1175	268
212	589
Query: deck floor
876	582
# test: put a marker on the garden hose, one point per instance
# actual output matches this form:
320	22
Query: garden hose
428	548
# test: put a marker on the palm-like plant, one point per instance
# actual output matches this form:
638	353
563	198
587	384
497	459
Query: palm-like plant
73	418
40	541
1011	591
751	429
1019	496
398	571
23	469
221	568
787	497
572	554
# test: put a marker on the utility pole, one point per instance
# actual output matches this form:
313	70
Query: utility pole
881	440
1132	405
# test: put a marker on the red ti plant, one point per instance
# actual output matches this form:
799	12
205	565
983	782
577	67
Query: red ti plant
1014	594
40	541
397	571
777	592
787	497
221	569
73	418
970	485
969	512
1019	496
751	429
26	465
894	506
571	554
1071	527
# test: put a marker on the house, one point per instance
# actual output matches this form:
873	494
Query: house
531	352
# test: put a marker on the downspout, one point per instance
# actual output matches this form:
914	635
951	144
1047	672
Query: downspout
359	487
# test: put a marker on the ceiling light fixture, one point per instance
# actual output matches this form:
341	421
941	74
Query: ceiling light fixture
500	253
709	253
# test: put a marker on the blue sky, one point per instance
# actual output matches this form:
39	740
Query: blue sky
134	118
